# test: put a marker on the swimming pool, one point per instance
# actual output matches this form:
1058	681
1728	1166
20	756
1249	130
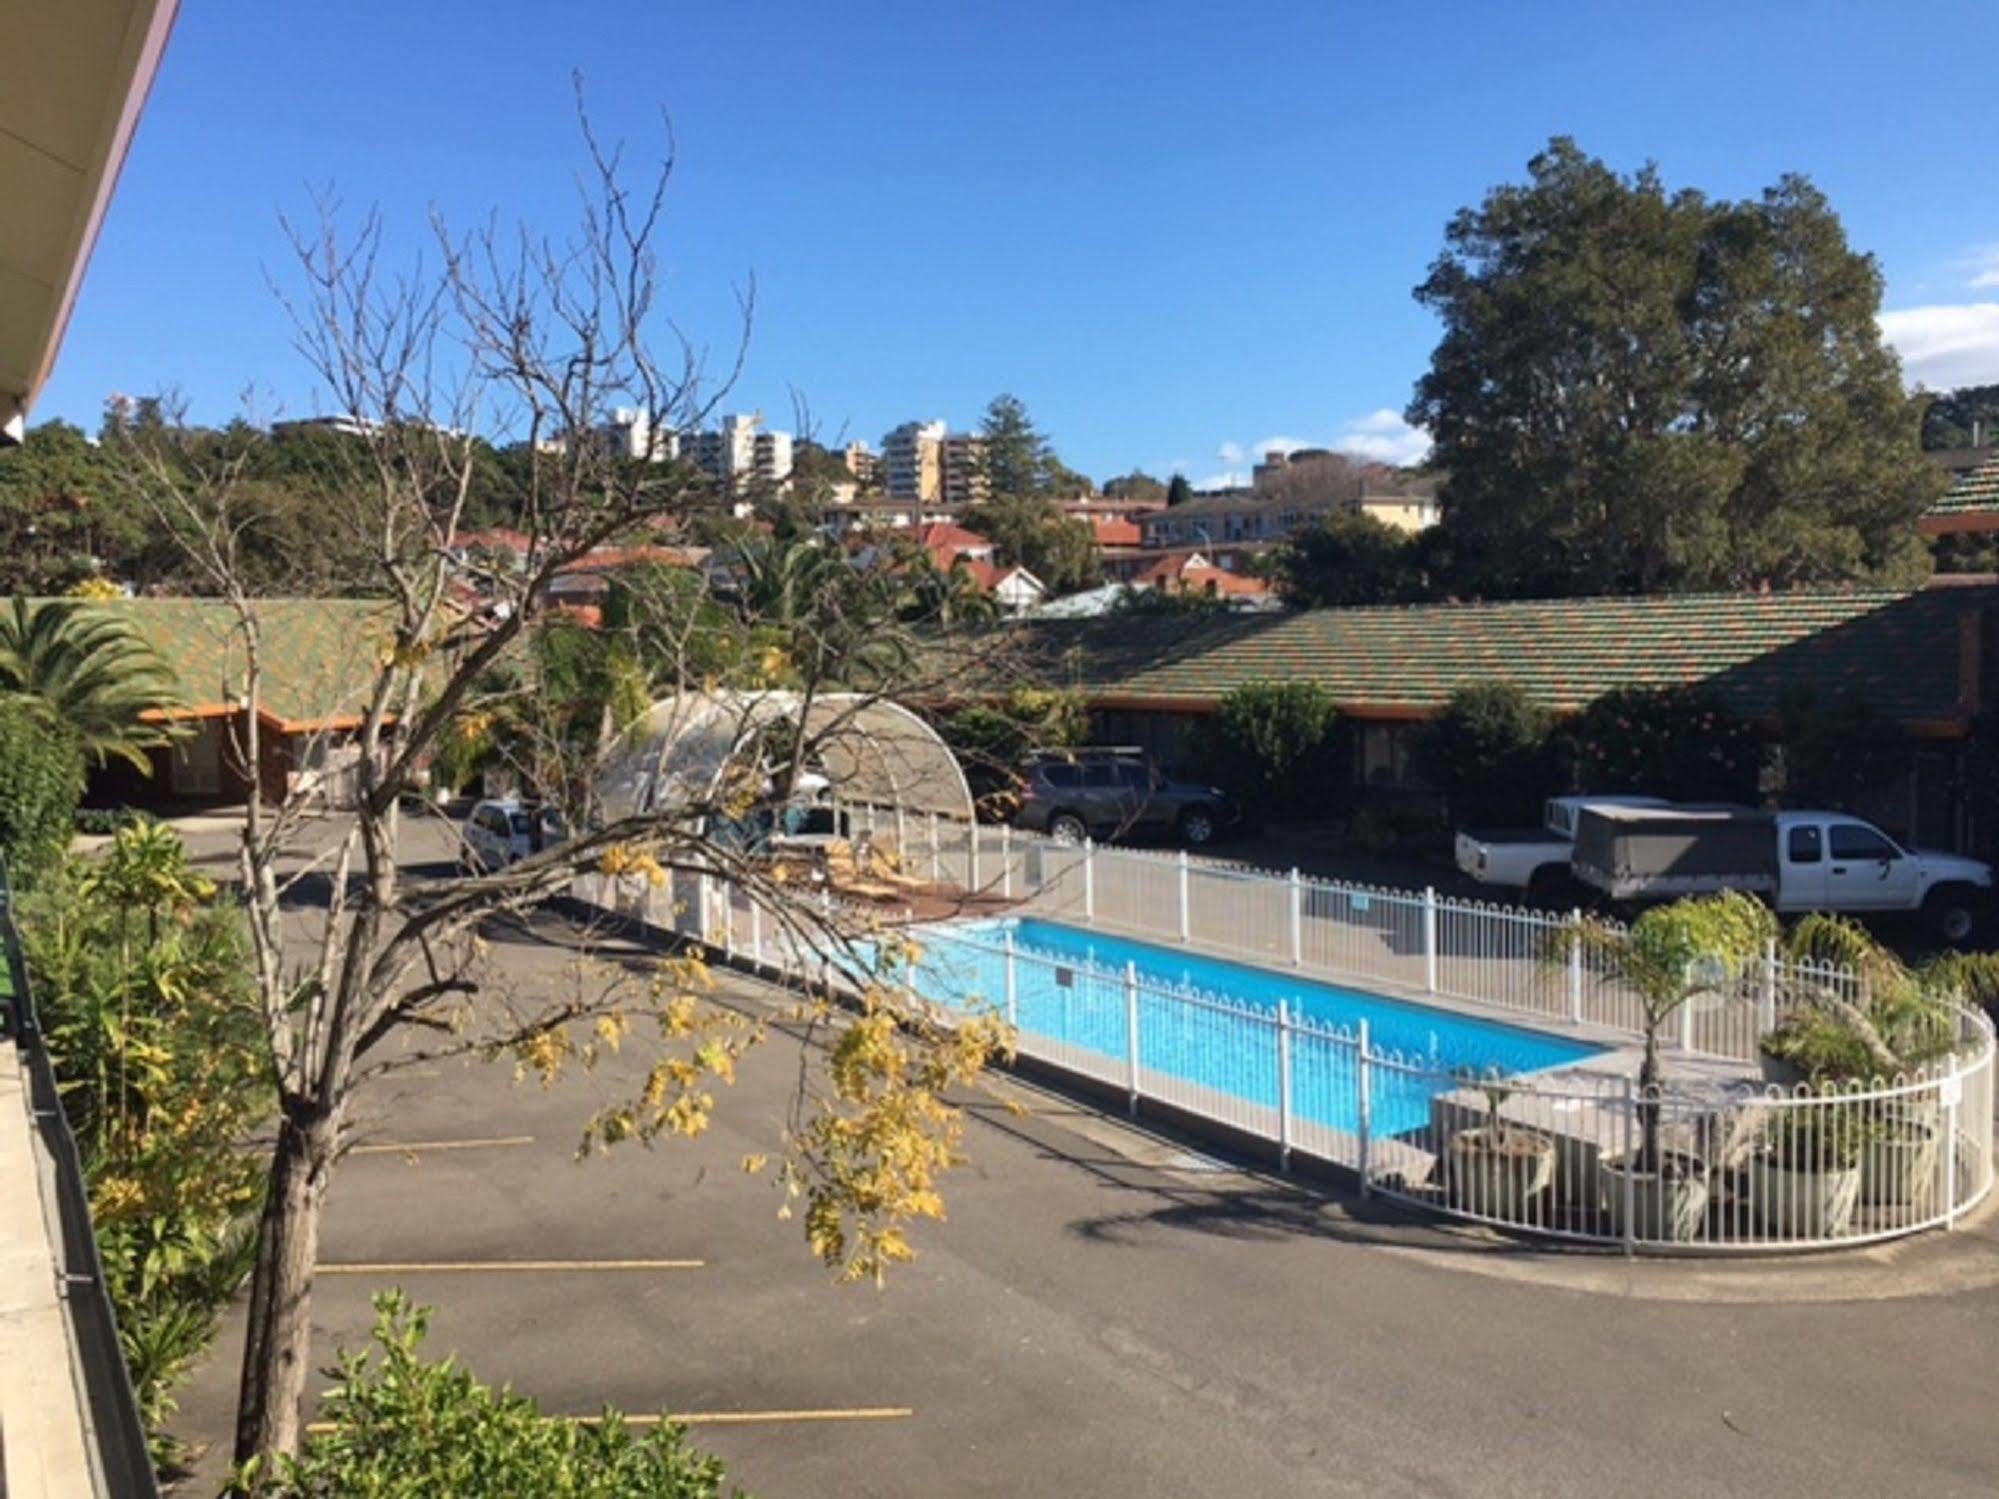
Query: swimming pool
1207	1021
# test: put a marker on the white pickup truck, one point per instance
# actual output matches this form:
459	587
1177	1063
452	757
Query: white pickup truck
1535	859
1798	861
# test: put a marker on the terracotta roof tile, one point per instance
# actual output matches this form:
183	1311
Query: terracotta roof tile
319	655
1975	488
1900	650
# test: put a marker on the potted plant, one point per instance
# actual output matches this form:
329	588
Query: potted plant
1498	1169
1663	959
1857	1018
1805	1181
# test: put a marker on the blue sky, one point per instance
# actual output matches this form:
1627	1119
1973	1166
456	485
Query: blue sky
1177	231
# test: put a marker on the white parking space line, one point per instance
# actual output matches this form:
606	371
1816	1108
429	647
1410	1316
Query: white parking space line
419	1147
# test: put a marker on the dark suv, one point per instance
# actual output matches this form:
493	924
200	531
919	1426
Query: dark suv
1096	793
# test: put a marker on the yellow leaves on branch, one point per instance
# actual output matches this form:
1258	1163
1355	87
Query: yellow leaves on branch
622	859
676	1095
404	654
869	1160
772	666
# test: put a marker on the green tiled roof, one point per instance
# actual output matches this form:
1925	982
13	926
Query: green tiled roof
319	655
1899	650
1974	489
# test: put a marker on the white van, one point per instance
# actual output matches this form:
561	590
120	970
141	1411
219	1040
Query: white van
506	830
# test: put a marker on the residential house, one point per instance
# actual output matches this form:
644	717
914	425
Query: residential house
1254	519
1191	572
946	542
1015	589
583	586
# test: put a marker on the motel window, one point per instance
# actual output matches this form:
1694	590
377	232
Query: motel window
1384	755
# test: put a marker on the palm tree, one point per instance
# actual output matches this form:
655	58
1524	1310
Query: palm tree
1858	1012
88	672
1666	957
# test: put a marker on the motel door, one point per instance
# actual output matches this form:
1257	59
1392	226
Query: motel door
197	761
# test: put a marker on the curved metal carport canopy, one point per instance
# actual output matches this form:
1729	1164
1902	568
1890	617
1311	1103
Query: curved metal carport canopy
869	749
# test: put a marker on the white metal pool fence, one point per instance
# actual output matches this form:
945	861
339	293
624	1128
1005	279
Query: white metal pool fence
1414	942
1732	1165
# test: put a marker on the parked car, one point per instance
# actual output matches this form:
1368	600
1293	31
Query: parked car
504	830
1098	793
1798	861
1535	859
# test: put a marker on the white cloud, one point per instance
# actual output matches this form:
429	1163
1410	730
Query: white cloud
1381	435
1271	445
1945	346
1385	437
1983	266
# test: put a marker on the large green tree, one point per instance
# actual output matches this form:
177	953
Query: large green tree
1962	418
1136	485
63	515
1640	390
1032	532
1020	461
1344	559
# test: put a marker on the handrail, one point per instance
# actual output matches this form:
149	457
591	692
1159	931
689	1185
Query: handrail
117	1432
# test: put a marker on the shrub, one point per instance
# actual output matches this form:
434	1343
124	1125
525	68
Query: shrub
994	741
41	782
404	1428
141	976
1675	742
1271	746
1488	752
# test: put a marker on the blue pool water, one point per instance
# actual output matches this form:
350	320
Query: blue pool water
1069	987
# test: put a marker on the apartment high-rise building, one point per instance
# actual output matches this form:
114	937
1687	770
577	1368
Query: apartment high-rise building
741	454
964	460
860	460
913	462
630	434
770	461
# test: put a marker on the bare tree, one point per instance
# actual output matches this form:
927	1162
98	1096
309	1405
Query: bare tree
538	340
1316	476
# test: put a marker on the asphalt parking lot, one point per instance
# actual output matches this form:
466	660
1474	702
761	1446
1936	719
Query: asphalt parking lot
1110	1312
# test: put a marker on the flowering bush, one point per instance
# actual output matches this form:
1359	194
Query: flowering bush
1675	742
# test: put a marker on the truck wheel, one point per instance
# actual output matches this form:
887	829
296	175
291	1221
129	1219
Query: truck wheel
1952	914
1067	828
1197	827
1549	885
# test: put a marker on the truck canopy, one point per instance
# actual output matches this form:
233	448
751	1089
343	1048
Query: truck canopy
1639	852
